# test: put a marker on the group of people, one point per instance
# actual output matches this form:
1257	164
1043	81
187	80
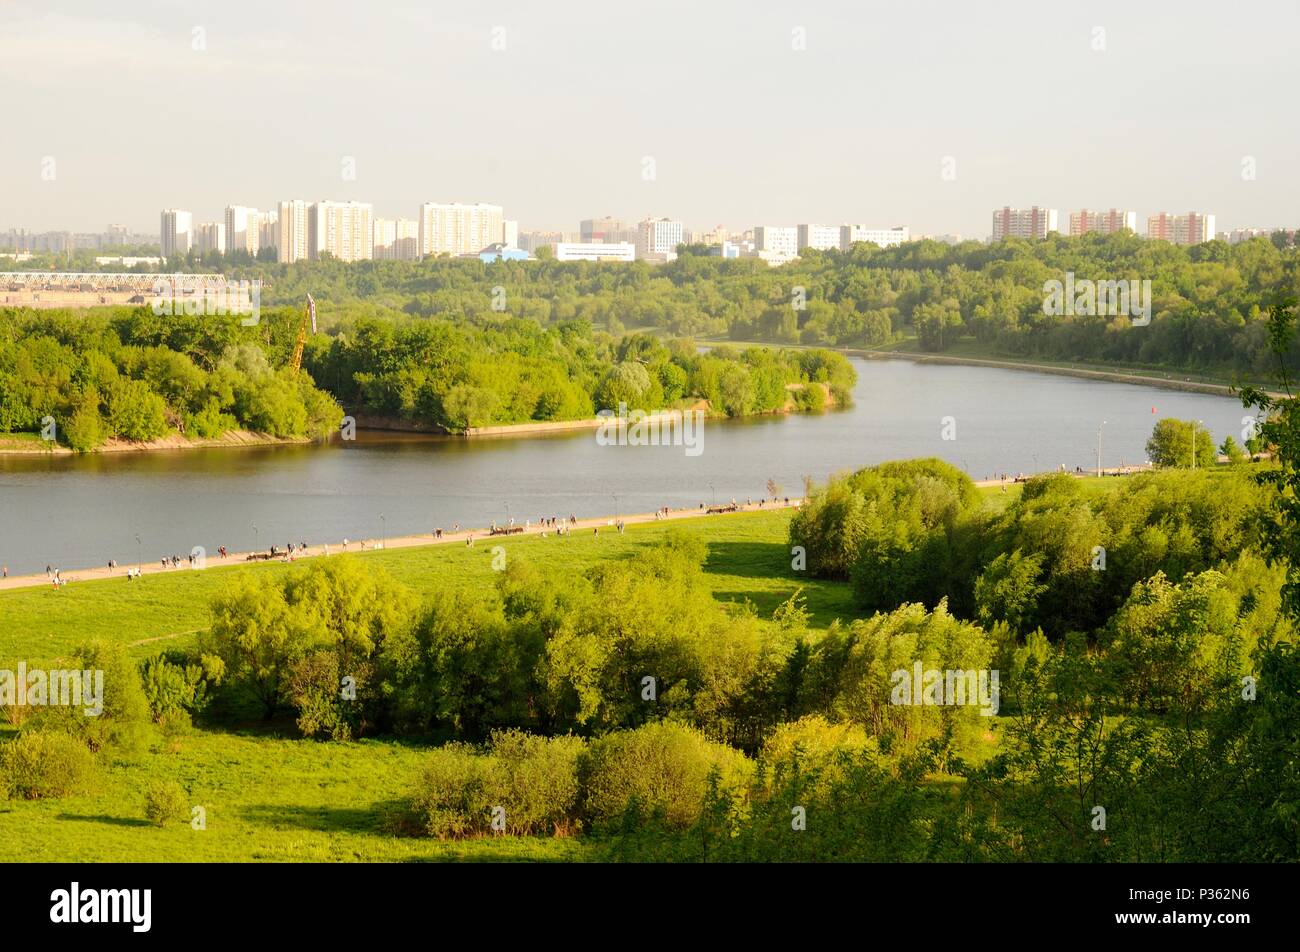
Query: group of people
560	525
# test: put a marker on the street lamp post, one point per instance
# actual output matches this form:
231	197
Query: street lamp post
713	496
1194	426
383	531
615	495
139	555
256	544
1103	423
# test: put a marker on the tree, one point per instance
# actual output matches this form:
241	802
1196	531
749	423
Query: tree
1230	449
1281	430
1171	444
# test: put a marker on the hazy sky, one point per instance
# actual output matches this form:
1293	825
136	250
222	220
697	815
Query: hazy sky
743	128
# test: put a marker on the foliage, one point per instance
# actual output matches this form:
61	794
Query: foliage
40	764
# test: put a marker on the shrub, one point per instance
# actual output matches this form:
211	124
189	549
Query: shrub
816	748
658	768
165	802
41	764
453	796
533	779
536	780
124	719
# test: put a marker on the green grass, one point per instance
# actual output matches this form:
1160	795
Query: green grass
265	798
271	796
749	559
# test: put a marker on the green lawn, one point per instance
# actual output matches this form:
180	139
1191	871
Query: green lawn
271	796
748	559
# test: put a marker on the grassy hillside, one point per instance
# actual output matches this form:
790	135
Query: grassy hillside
271	796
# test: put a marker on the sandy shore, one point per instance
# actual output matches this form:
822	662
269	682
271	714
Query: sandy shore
173	441
480	537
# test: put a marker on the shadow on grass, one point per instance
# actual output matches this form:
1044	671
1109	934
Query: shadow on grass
105	819
748	559
386	817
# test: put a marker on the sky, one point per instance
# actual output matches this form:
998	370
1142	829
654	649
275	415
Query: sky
926	114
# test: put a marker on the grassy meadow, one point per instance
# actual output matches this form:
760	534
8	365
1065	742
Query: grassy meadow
269	795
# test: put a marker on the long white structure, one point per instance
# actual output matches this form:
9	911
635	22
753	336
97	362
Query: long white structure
594	251
884	237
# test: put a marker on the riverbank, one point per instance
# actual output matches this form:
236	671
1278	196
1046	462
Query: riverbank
542	427
464	536
31	444
467	536
1186	383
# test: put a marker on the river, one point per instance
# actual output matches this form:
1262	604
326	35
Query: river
79	511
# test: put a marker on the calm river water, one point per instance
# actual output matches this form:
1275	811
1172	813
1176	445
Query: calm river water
79	511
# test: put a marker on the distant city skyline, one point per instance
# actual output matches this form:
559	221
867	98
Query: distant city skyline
732	112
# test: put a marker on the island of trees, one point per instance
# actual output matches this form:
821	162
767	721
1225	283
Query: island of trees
132	375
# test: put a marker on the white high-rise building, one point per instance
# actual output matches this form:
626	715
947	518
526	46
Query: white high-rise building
459	229
1033	223
397	239
1084	222
657	239
819	237
884	237
510	233
778	239
242	229
177	232
211	236
343	230
268	231
1190	229
291	231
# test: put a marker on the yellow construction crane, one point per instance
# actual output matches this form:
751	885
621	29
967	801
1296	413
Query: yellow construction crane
308	314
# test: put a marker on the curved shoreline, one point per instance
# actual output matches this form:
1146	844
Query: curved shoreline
1109	376
232	439
1186	385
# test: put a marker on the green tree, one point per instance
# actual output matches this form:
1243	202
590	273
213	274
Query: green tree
1172	442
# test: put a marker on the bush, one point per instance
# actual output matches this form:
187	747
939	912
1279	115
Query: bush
657	769
453	798
44	764
816	748
533	779
124	720
536	780
165	802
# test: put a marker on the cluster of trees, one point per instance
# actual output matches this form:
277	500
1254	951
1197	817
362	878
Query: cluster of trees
512	370
1205	306
130	373
1060	557
1205	300
124	375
